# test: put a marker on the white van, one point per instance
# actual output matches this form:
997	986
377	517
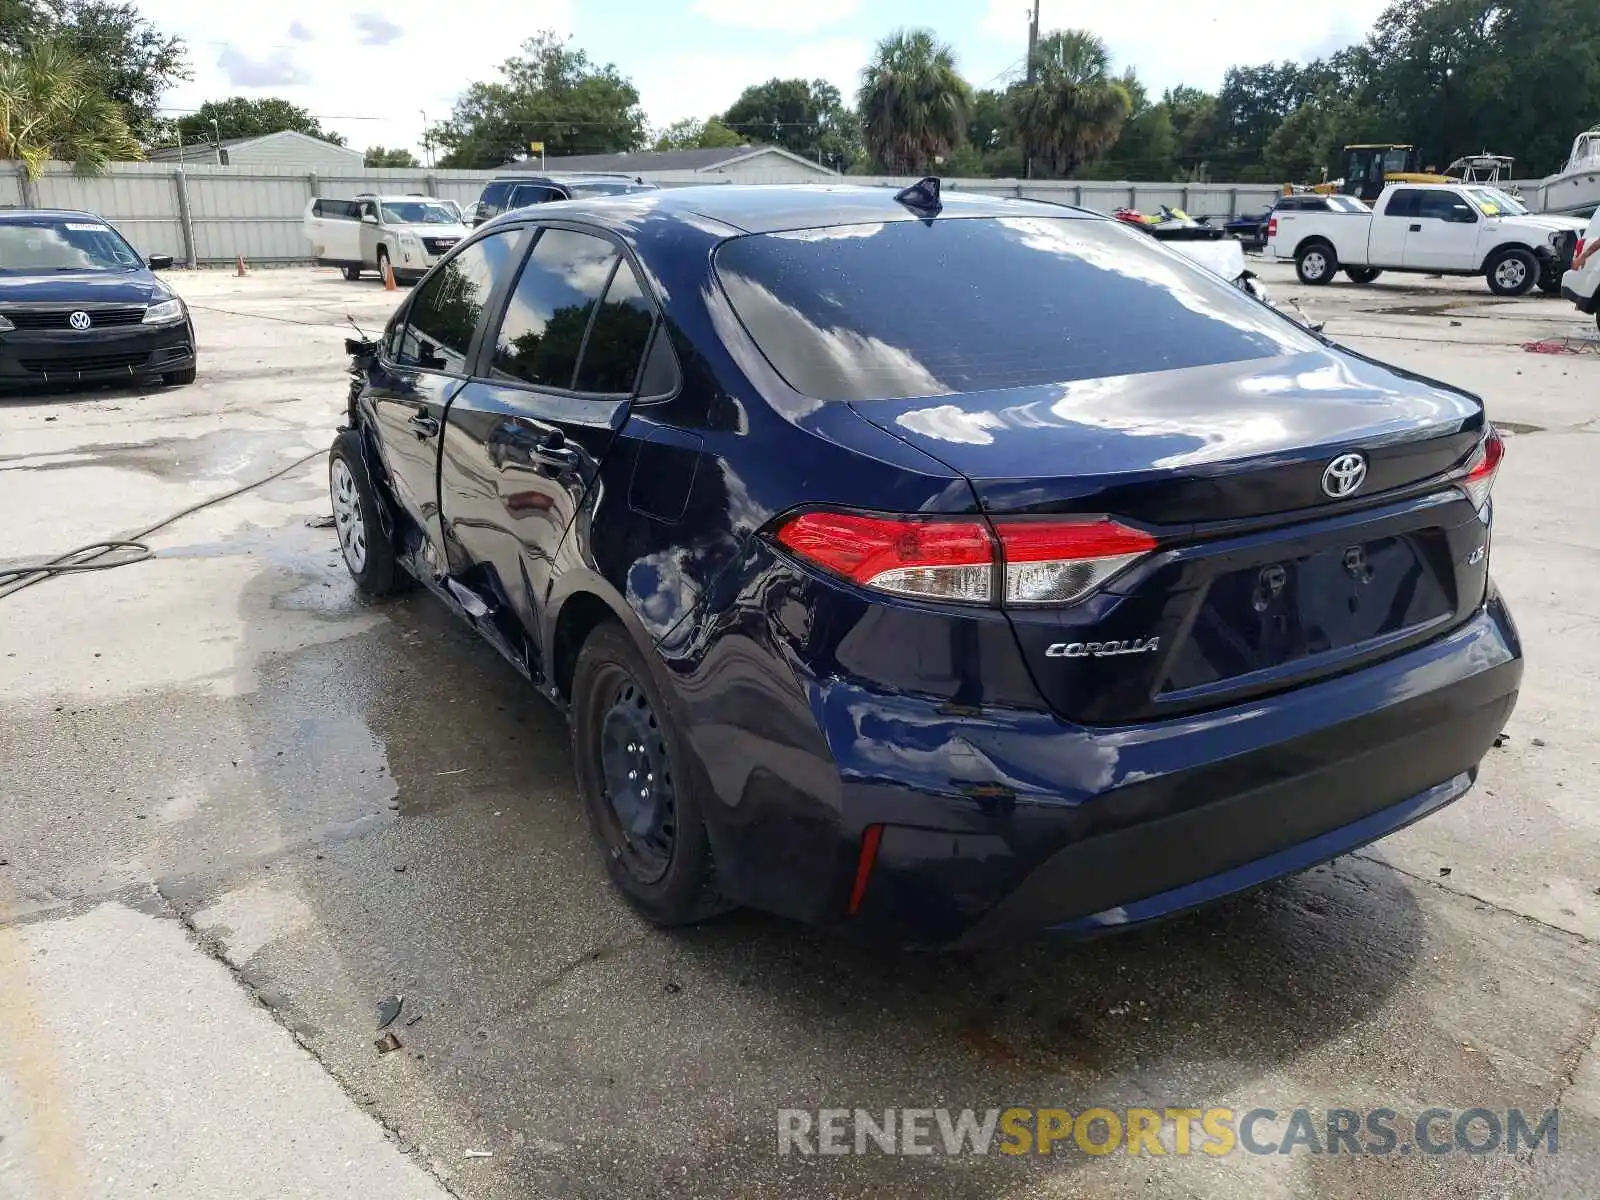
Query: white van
410	233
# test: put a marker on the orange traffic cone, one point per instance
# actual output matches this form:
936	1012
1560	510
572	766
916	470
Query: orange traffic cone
388	275
240	271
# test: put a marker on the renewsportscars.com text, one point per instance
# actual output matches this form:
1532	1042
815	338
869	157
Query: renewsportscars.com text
1161	1131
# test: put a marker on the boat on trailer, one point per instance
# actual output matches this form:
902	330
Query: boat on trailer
1576	187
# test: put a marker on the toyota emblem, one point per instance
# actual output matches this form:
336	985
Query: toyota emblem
79	320
1344	475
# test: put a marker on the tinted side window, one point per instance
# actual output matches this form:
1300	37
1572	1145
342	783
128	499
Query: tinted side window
542	331
660	376
449	303
1316	206
529	193
617	338
1440	206
1404	203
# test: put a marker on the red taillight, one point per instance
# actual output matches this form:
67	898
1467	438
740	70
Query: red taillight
1049	561
1577	250
1057	562
942	560
1478	479
1272	227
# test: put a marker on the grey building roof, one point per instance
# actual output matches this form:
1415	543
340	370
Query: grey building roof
206	151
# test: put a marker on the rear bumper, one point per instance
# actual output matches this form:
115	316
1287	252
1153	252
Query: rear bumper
1000	826
37	358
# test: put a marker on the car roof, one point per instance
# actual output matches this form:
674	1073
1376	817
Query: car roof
560	176
393	196
770	208
18	214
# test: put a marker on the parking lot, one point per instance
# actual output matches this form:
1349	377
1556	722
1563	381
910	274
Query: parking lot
243	806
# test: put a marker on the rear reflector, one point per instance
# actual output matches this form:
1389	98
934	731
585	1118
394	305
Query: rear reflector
864	863
1478	479
1048	561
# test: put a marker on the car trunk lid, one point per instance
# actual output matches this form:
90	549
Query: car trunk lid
1262	579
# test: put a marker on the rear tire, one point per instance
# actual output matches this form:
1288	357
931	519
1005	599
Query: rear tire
1512	272
638	788
1362	274
1316	264
352	273
369	552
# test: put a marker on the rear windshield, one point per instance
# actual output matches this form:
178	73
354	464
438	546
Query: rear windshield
914	308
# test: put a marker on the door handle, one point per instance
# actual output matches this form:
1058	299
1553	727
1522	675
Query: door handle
555	454
1416	229
424	426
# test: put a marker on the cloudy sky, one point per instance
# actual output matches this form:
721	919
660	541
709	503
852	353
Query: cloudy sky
371	69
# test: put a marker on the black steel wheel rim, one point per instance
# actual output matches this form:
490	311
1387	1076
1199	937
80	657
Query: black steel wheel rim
636	777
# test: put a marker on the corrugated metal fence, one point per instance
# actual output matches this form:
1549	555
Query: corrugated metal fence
210	214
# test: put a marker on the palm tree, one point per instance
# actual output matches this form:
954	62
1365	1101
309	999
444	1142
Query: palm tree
1074	110
914	103
51	108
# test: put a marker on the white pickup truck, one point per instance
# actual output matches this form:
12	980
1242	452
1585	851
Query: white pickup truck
1433	229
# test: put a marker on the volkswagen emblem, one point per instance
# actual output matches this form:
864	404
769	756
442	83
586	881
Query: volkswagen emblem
1344	475
79	320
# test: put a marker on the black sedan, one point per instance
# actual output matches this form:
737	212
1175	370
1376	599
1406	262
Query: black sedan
78	305
954	569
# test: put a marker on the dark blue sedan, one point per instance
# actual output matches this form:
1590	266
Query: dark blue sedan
78	305
952	570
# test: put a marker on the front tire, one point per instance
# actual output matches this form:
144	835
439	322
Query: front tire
385	271
638	789
180	378
1362	274
1316	264
369	552
1512	272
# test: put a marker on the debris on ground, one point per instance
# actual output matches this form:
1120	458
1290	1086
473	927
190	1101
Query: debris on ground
1538	742
387	1042
478	1154
388	1010
1500	739
1443	871
325	522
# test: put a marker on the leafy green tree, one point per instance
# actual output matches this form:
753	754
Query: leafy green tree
914	104
551	93
241	117
51	106
691	133
382	156
1074	111
126	58
806	118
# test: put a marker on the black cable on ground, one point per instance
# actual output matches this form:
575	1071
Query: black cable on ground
120	552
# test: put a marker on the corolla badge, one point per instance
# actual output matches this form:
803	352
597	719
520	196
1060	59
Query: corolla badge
1344	475
1103	649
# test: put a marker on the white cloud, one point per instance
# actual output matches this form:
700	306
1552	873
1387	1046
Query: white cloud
339	76
1168	42
697	85
785	16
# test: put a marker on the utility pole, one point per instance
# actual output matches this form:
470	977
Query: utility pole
1033	75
